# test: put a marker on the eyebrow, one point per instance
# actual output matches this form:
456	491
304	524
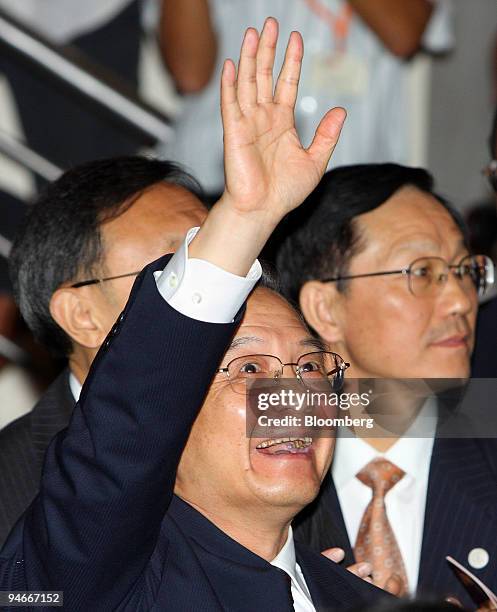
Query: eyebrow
243	341
312	342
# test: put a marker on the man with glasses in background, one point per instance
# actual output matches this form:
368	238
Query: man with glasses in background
73	265
485	355
381	269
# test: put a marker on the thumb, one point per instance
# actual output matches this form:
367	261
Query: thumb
394	585
326	137
334	554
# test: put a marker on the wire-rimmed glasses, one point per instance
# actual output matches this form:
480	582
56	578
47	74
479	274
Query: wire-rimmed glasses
427	275
309	368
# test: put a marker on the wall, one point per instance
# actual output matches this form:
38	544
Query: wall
461	105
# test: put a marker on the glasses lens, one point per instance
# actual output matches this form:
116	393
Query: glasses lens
251	367
322	365
478	270
426	274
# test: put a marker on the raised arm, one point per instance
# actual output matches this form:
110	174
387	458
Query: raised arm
188	43
399	25
108	480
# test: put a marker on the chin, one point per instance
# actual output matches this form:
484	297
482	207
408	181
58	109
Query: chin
290	493
454	370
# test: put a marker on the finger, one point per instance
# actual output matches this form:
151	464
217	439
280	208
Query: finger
454	601
246	80
363	570
394	585
230	110
334	554
326	137
288	79
265	61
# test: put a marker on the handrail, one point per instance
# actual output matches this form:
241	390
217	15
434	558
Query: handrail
126	106
5	246
21	153
12	352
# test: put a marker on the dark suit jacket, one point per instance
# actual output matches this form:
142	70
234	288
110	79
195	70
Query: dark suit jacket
23	444
484	363
106	528
460	515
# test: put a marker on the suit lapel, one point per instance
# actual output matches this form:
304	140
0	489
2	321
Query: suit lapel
330	585
240	580
321	525
460	515
51	414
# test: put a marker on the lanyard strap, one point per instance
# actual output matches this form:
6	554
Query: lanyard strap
339	24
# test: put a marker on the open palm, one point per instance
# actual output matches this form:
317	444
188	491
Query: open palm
267	170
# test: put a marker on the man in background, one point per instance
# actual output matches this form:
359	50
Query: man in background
382	273
101	220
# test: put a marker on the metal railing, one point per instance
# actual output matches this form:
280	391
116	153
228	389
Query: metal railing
122	104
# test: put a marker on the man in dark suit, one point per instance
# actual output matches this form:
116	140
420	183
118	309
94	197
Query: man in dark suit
381	269
106	528
484	363
103	219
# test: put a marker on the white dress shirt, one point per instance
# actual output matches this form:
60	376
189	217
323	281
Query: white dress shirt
202	291
287	562
405	502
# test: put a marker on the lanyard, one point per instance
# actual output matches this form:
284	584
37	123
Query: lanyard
339	24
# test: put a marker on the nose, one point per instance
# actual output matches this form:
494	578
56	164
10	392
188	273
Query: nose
458	298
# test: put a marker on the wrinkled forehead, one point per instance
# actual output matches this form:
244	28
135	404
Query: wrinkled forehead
271	325
410	220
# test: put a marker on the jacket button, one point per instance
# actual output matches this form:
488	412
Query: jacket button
478	558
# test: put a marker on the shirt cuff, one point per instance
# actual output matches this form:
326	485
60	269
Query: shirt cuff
202	291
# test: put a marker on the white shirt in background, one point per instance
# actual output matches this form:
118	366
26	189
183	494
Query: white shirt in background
377	127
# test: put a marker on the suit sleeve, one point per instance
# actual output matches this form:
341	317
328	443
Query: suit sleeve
109	478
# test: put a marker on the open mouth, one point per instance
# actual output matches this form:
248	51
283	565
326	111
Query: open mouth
284	446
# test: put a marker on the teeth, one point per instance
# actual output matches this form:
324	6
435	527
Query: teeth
297	442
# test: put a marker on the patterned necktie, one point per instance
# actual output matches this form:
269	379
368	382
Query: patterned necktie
376	542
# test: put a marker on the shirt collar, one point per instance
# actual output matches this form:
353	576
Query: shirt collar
75	386
410	453
286	561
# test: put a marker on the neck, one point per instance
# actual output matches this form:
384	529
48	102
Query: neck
259	532
394	407
80	361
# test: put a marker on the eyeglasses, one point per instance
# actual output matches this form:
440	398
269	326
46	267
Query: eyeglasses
490	172
94	281
427	275
311	367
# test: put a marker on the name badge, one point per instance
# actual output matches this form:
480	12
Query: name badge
343	72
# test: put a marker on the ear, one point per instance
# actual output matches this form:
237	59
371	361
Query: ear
321	305
78	316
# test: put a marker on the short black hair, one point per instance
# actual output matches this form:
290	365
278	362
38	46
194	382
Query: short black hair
320	237
493	137
60	236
